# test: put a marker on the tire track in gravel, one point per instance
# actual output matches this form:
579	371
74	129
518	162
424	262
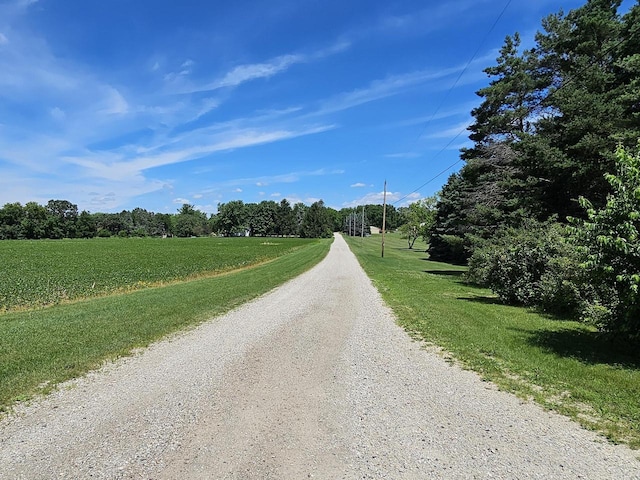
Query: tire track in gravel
311	380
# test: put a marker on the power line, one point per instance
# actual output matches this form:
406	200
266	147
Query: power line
538	104
466	67
446	96
441	173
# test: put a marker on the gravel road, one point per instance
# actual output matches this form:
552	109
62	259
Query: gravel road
313	380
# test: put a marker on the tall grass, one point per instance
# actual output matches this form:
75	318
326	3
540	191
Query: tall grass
563	365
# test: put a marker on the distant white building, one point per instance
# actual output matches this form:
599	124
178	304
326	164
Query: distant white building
374	230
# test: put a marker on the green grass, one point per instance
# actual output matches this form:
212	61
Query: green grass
563	365
45	272
41	348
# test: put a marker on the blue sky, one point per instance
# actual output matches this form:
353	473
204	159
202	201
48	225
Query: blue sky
118	104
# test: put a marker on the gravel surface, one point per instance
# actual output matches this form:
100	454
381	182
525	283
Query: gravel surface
314	380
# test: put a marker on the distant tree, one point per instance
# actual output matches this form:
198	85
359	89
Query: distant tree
262	218
11	216
33	222
187	209
231	218
161	224
418	219
299	212
286	221
86	225
61	219
190	222
108	222
317	222
374	214
334	219
143	223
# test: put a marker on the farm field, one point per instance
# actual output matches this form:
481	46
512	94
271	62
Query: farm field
39	348
563	365
45	272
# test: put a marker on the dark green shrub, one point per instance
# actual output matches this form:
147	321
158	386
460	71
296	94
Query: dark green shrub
533	265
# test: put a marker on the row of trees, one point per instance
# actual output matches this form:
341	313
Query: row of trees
271	218
61	219
545	139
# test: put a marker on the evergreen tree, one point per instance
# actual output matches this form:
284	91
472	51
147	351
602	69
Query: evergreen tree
582	112
316	222
286	221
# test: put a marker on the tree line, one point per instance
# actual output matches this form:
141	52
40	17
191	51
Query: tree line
546	207
61	219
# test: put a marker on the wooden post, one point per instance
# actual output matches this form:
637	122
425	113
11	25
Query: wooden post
384	215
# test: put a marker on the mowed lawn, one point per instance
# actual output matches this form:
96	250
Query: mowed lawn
563	365
36	273
39	348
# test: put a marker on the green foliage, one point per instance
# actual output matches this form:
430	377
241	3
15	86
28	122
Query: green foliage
544	136
263	218
476	203
190	222
373	212
509	101
545	131
563	365
37	274
418	219
317	223
532	265
609	236
48	346
231	218
285	219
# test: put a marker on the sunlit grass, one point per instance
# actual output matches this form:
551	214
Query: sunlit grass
41	348
37	273
563	365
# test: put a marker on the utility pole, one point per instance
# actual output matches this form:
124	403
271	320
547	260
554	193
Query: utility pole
362	225
384	215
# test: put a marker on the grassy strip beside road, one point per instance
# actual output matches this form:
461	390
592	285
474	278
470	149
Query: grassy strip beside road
560	364
41	348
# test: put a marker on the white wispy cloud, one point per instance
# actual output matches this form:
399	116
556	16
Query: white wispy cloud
244	73
452	131
379	197
114	103
290	177
252	71
118	165
403	155
383	88
358	185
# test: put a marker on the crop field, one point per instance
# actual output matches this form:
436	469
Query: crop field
40	273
